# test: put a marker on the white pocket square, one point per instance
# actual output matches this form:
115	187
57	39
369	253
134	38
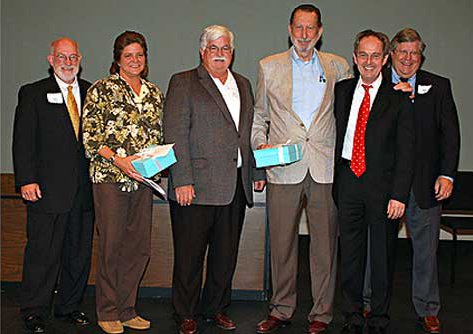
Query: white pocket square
423	89
54	98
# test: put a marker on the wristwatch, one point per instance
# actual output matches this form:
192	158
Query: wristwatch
112	158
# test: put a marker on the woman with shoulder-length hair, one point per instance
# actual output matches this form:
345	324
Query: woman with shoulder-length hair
122	115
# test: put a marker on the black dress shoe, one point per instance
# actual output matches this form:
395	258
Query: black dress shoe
376	330
77	318
34	324
352	329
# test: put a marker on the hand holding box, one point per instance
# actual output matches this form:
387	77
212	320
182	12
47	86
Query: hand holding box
281	155
154	159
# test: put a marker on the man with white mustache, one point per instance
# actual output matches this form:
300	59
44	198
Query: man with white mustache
208	114
294	103
51	172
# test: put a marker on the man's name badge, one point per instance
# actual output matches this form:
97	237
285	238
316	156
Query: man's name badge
55	98
423	89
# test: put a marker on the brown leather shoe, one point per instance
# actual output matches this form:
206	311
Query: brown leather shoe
137	323
430	324
224	322
188	326
270	325
316	327
111	327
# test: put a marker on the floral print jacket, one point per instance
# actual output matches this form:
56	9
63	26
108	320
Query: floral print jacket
114	116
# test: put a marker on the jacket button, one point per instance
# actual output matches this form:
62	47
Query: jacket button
302	124
307	139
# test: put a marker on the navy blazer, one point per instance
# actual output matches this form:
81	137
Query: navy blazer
437	136
46	151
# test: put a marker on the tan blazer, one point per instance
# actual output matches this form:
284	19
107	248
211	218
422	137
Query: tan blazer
275	122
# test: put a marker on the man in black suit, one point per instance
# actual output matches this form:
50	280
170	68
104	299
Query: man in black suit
373	173
437	150
51	172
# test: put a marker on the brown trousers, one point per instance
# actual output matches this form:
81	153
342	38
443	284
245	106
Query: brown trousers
123	221
285	204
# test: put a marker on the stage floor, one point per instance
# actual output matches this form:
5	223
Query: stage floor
456	313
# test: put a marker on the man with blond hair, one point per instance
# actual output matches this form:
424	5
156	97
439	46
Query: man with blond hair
437	151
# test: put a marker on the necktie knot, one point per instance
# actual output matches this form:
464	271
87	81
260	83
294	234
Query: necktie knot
366	87
69	89
404	79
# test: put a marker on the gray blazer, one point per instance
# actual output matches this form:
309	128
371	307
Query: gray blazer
275	122
198	121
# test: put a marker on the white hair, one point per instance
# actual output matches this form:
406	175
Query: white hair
214	32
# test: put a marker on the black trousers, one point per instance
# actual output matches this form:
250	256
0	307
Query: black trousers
57	254
196	228
361	205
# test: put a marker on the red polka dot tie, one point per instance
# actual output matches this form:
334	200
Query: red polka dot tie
358	160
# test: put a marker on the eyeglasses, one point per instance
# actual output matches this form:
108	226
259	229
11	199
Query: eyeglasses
405	53
216	49
374	56
72	58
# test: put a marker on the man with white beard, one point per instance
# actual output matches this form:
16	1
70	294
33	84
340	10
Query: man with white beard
294	103
51	173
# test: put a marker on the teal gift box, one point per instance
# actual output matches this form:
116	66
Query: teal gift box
280	155
154	159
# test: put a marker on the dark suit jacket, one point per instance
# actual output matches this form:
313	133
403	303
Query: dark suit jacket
197	119
437	136
46	151
389	141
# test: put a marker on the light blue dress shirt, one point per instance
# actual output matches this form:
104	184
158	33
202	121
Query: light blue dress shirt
308	87
395	78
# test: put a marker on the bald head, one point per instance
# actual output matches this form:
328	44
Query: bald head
64	57
61	42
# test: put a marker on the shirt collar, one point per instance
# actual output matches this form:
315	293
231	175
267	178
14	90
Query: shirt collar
395	78
64	85
230	79
375	84
296	57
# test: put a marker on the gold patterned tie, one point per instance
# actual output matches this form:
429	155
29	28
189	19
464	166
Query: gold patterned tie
73	111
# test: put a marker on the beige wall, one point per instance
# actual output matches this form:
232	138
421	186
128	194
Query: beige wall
172	29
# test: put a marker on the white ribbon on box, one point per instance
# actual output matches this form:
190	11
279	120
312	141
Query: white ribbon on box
281	152
155	151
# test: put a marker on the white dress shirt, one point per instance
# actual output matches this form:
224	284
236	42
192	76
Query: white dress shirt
355	107
231	95
75	90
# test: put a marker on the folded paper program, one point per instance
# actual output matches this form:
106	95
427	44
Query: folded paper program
154	159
